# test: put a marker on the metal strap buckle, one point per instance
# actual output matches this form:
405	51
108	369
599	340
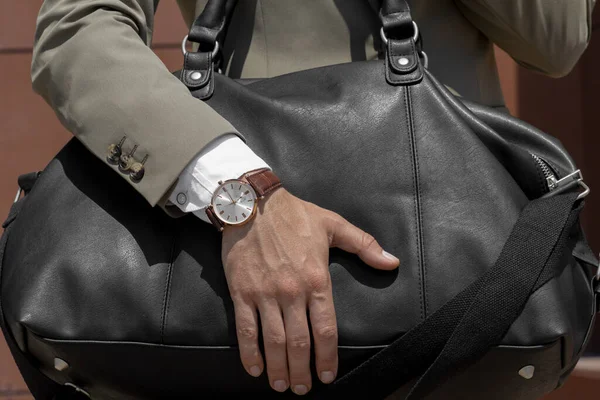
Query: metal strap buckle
416	35
184	51
566	183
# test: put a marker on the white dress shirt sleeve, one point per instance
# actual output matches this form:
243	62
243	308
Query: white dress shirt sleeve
226	157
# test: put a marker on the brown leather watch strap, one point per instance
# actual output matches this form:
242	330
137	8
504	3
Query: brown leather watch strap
263	180
217	223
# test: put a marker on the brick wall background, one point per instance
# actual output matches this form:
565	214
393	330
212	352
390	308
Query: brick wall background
30	134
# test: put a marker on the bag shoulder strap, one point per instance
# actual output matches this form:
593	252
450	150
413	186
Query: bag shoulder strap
463	330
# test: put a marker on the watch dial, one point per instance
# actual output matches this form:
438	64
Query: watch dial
234	202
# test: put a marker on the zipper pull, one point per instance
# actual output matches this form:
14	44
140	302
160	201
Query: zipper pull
556	186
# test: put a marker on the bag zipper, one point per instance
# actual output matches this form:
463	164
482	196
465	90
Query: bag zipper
554	183
551	178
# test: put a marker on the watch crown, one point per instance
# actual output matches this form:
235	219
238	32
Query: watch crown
220	182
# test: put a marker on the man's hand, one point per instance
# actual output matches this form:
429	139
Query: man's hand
277	267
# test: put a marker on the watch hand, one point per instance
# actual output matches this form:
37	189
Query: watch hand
230	197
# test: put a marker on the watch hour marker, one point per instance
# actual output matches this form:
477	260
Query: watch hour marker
249	209
222	211
228	217
243	215
240	188
246	192
236	217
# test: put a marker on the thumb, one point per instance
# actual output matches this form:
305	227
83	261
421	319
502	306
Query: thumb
343	235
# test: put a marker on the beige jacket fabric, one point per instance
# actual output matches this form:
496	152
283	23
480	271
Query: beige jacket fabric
93	64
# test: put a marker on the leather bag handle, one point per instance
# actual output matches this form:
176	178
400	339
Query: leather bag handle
399	34
211	25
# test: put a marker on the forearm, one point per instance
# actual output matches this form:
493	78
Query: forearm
547	36
92	64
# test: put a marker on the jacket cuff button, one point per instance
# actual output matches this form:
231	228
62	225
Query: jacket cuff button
114	152
127	160
137	171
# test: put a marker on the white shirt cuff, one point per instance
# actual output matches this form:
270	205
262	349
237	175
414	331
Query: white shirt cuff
226	157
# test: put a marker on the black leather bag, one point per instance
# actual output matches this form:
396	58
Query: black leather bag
103	295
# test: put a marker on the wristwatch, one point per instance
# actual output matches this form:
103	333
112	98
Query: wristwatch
234	202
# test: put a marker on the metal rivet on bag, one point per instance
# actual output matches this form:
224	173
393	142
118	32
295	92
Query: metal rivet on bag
181	198
195	75
60	364
527	371
403	61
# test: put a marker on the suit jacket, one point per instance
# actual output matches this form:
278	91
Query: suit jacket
93	65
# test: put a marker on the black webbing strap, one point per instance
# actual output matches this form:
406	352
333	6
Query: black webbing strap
466	327
40	386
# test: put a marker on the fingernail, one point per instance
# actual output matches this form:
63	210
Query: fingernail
300	389
389	256
327	377
255	371
280	386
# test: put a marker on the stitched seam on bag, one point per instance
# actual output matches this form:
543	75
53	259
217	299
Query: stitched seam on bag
409	126
44	338
410	54
413	155
166	296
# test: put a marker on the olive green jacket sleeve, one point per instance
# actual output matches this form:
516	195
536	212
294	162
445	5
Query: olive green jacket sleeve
93	65
545	35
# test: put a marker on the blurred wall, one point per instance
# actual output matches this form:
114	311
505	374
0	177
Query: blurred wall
30	134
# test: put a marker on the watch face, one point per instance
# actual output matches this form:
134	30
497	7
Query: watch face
234	202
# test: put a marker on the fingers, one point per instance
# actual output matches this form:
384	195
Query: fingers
298	346
325	333
275	344
348	237
247	333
